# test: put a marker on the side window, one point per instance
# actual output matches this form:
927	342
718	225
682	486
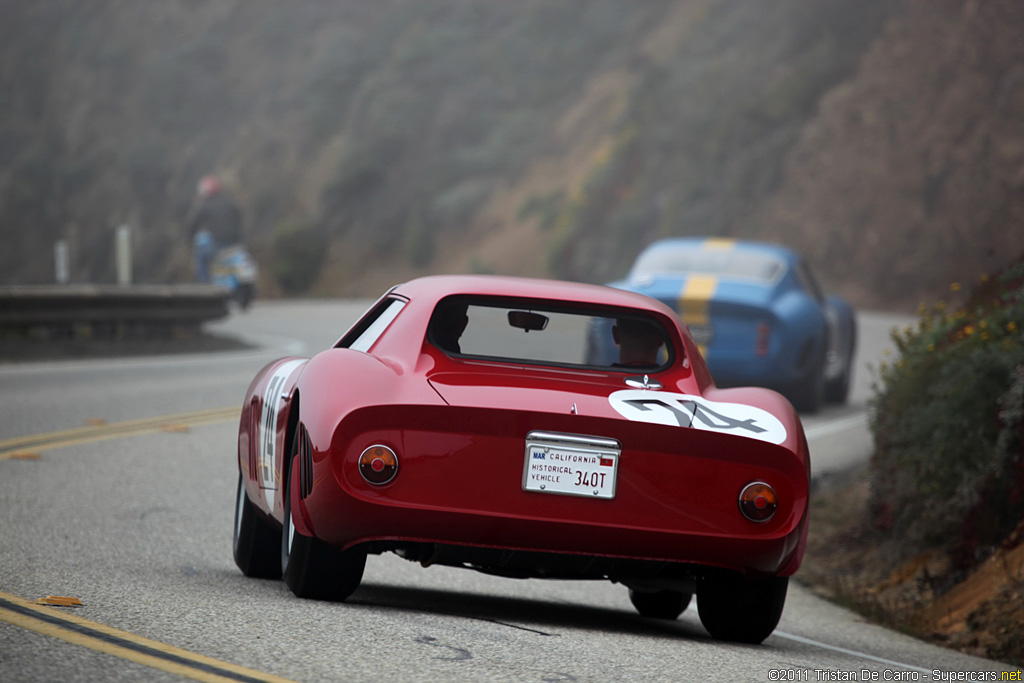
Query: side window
372	326
808	282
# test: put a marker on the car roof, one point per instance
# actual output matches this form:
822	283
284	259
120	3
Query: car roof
740	260
777	250
437	287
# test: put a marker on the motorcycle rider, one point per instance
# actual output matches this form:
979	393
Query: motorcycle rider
214	223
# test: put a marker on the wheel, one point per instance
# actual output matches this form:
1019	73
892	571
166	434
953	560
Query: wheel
664	604
314	569
245	295
257	542
742	610
809	394
838	390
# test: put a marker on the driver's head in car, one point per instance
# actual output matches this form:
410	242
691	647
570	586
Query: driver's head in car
638	340
447	325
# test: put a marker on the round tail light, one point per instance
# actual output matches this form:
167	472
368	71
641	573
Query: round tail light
758	501
378	465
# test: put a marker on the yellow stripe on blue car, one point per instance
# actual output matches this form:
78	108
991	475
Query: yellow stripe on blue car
724	243
696	295
694	302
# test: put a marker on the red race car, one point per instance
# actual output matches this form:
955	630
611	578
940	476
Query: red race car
468	421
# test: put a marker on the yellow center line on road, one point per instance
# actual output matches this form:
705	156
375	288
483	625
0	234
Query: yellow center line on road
95	636
13	448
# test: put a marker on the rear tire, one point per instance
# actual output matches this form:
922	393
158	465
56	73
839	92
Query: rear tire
257	542
809	394
664	604
838	390
314	569
245	295
741	610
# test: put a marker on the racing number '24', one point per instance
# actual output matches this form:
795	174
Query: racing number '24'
685	418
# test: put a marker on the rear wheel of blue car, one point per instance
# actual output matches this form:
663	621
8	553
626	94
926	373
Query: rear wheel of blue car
663	604
838	389
257	541
314	569
738	609
809	394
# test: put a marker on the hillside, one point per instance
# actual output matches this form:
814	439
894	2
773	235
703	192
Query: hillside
536	138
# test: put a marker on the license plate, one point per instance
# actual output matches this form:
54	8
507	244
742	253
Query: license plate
571	464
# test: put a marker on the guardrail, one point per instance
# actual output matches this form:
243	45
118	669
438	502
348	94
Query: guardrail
109	311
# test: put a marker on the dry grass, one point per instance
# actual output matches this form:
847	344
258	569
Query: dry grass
847	562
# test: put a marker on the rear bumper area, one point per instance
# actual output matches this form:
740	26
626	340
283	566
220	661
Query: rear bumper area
556	549
460	482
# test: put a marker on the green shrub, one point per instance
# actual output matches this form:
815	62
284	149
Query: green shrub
546	208
299	252
947	421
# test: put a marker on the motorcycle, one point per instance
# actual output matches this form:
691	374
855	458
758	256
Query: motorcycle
232	267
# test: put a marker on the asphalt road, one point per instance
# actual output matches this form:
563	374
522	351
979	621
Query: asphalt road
117	480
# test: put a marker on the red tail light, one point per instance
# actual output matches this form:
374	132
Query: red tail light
764	338
758	501
378	464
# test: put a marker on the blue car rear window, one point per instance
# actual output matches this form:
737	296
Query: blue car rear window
721	262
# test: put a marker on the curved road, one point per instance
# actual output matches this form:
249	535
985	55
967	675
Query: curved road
117	480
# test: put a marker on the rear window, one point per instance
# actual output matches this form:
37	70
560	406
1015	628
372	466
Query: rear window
733	263
630	341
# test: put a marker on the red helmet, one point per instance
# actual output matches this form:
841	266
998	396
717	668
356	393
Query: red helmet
209	185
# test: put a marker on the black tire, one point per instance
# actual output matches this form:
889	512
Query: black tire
314	569
809	394
664	604
257	542
838	390
245	295
740	610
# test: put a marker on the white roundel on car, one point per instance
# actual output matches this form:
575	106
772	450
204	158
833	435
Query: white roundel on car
695	412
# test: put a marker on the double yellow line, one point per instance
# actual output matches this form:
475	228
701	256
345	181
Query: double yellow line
73	629
28	446
55	623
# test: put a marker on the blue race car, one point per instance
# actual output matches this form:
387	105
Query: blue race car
758	315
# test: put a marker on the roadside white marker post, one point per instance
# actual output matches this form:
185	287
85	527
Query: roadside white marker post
124	255
60	259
